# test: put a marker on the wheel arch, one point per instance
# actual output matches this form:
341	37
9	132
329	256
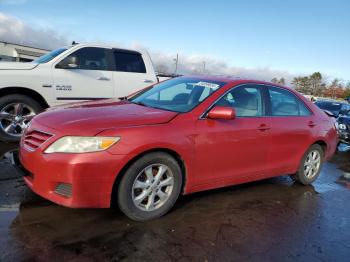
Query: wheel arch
173	153
323	144
25	91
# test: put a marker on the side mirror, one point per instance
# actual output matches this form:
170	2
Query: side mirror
70	62
222	112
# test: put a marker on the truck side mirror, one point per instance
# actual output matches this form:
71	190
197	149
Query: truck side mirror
70	62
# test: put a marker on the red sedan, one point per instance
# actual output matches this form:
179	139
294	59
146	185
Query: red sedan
180	136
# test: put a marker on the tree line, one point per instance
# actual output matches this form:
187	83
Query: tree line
316	85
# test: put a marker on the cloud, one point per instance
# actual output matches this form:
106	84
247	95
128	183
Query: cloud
16	31
199	64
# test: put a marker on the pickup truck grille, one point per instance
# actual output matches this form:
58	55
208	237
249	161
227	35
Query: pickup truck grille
34	139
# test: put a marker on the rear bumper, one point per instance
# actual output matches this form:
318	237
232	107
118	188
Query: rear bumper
90	177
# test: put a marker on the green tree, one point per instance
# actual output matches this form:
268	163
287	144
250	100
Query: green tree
302	84
317	86
274	80
280	81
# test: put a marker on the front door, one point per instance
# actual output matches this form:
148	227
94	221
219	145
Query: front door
231	151
89	78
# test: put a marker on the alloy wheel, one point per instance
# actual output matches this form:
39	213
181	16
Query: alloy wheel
15	117
152	187
312	164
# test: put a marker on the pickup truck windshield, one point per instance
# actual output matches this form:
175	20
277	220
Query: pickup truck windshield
178	94
49	56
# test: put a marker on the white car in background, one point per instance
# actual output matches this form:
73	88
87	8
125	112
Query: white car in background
69	74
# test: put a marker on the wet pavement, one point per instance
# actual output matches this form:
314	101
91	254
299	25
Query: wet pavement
270	220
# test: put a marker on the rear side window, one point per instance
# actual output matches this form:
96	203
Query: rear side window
129	62
284	103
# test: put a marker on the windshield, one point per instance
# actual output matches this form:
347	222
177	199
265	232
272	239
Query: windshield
334	107
178	94
49	56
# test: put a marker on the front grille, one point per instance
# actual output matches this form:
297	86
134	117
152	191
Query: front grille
33	139
64	189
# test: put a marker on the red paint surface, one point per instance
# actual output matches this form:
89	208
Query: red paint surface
215	153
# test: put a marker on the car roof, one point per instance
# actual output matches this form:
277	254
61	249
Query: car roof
232	79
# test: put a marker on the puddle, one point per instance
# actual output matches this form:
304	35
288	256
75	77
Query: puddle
343	147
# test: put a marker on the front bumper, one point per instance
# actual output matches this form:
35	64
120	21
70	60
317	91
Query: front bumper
90	177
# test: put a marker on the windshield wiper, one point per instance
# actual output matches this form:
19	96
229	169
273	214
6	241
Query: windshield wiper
139	103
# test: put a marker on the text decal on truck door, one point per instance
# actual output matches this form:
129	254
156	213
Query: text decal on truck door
64	87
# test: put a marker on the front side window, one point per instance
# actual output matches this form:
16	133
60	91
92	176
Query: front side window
90	58
178	94
284	103
129	62
246	100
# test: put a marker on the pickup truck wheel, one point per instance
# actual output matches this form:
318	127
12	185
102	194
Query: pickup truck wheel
16	111
150	187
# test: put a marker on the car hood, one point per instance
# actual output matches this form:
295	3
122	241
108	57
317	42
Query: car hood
93	117
17	66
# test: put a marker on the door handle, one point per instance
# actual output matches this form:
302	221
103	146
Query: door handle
263	127
103	78
147	81
311	124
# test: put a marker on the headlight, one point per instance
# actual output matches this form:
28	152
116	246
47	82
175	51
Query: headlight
81	144
342	127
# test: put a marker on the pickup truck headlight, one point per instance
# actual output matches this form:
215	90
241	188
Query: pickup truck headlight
81	144
342	127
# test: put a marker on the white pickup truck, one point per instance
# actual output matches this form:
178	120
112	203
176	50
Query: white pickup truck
70	74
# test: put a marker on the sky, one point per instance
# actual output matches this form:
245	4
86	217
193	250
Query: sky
263	39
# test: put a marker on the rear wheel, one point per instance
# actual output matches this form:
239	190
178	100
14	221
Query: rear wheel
16	111
310	166
150	187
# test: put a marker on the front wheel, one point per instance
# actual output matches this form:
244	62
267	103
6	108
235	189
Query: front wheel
310	166
150	187
16	111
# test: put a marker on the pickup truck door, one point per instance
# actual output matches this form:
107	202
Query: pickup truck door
132	71
83	75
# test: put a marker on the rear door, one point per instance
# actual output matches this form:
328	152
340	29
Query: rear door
91	77
292	128
132	72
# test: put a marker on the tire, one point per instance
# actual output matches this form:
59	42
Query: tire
304	177
136	184
15	113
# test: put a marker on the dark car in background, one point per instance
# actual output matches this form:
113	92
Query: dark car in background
340	110
337	108
344	128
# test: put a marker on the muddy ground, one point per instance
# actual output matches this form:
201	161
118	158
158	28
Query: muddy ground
270	220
